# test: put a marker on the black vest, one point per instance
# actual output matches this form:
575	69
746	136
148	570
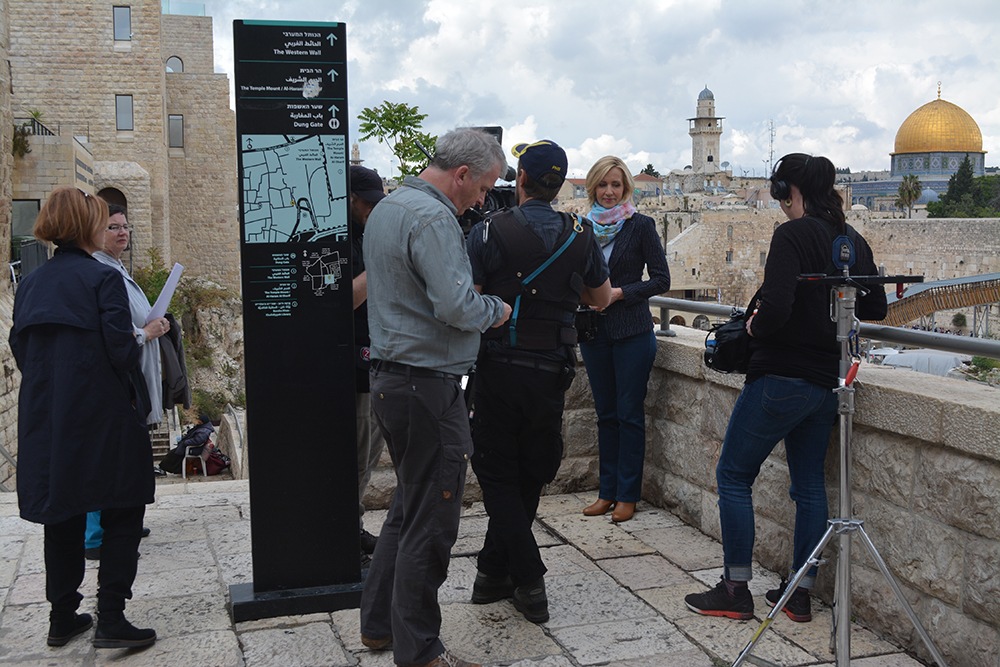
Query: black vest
543	316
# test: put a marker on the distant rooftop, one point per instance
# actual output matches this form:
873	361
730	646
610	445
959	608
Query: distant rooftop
182	8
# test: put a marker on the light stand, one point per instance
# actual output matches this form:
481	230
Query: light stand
843	299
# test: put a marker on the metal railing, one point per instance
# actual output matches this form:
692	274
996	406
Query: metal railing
982	347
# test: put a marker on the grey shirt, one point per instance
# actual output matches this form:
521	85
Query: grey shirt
423	308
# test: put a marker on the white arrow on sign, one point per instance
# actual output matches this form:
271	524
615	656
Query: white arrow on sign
333	74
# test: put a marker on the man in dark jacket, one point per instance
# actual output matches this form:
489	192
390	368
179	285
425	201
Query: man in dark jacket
543	263
366	191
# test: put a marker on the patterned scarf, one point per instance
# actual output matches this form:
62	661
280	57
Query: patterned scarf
609	221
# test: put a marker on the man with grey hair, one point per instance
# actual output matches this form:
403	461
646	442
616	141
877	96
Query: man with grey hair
425	319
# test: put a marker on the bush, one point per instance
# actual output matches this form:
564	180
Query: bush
985	363
959	320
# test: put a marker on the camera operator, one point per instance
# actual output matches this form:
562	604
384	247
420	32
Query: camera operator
543	263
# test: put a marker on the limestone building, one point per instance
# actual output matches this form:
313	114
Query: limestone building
931	144
706	173
706	131
123	101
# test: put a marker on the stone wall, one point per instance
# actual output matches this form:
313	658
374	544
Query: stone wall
203	188
66	64
926	482
10	380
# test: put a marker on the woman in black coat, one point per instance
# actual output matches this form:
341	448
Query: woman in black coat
620	358
82	444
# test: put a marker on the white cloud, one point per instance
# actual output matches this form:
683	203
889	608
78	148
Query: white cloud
837	79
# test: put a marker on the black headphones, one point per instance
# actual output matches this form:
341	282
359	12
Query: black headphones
779	188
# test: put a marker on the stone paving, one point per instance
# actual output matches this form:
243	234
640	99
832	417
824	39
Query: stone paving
615	597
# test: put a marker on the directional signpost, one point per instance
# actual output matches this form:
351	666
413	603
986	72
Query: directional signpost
291	97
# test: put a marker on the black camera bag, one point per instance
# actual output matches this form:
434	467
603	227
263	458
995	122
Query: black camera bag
727	345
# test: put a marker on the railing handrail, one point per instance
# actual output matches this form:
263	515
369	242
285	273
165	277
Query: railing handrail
982	347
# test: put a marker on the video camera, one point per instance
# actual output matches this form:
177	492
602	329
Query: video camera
498	198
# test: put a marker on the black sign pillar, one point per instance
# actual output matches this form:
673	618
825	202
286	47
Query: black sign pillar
291	102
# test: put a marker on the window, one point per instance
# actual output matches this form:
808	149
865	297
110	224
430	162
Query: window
175	131
729	232
123	112
175	64
123	24
763	258
729	257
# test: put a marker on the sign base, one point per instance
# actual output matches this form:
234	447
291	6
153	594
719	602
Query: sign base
246	605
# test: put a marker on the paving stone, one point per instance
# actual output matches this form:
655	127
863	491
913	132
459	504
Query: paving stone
310	645
638	572
597	537
200	545
593	597
195	650
493	633
621	640
684	546
725	638
566	559
230	538
648	517
568	504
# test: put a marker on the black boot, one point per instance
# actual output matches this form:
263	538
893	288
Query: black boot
64	625
113	631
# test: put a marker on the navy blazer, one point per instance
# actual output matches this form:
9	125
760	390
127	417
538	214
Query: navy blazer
637	247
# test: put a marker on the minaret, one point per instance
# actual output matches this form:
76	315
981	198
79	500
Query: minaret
705	130
356	155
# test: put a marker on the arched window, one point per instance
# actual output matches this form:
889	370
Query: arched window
729	232
175	64
113	196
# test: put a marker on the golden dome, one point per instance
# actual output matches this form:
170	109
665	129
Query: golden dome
939	126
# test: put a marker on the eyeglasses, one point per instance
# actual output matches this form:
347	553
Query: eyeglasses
114	229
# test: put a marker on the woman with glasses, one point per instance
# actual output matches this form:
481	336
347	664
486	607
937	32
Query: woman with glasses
794	366
117	237
621	356
82	442
116	240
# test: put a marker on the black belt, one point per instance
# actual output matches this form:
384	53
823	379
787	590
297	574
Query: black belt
415	371
523	362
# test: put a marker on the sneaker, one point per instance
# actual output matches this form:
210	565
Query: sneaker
446	659
491	589
798	608
531	601
63	626
368	542
119	633
718	602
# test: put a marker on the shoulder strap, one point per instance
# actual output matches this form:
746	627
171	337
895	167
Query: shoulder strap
574	229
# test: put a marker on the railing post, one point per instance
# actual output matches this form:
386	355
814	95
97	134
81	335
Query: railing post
664	330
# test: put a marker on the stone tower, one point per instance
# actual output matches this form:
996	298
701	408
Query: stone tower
705	130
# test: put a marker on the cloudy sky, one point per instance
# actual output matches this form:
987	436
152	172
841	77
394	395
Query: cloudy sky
599	77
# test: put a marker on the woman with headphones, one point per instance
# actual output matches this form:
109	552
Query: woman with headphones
794	366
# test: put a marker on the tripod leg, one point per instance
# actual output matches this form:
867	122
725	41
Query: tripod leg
901	599
814	559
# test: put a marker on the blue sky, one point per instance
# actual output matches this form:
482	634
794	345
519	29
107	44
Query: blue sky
835	78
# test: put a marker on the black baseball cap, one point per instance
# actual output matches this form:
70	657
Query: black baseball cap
366	184
540	158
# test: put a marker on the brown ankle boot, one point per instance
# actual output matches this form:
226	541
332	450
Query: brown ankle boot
623	512
599	508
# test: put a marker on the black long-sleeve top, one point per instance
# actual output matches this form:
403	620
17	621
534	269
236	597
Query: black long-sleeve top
793	334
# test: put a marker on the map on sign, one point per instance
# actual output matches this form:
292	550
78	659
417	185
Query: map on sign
294	188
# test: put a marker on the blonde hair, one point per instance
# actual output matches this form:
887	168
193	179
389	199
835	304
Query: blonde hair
601	169
70	216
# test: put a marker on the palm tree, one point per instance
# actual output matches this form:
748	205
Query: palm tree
909	192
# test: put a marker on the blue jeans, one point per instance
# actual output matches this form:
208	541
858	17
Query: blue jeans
619	372
94	534
769	409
